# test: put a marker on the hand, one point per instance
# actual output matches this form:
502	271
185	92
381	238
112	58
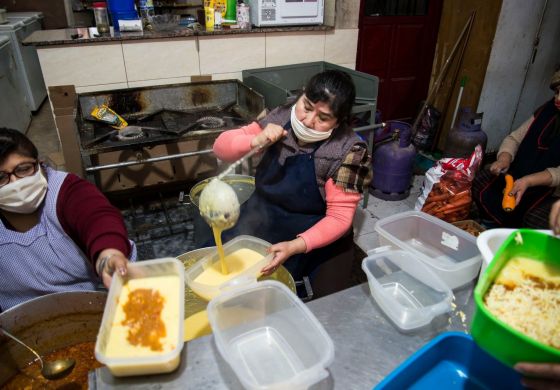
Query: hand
271	133
554	217
519	188
540	375
282	252
107	262
501	165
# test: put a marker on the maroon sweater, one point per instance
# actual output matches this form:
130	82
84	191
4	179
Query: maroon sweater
89	219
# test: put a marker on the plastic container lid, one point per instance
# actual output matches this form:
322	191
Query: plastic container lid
99	4
207	291
450	252
269	337
123	359
406	289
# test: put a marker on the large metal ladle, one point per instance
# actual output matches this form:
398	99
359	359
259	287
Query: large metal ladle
218	202
55	369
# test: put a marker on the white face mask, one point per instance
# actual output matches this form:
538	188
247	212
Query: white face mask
24	196
304	133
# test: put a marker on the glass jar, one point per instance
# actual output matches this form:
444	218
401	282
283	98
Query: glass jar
101	17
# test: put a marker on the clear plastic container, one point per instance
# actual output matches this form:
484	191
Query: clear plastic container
450	252
101	17
406	289
113	350
269	337
207	291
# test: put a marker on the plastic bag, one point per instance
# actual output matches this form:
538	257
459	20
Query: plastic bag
446	191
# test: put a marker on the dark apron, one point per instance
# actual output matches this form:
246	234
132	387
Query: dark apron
534	155
286	202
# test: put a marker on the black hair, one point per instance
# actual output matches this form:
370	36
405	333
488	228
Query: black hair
335	88
12	141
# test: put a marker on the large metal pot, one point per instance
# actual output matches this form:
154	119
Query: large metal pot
48	323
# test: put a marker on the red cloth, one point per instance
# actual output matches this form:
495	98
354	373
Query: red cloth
89	219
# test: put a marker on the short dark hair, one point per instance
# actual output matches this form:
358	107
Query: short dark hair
12	141
335	88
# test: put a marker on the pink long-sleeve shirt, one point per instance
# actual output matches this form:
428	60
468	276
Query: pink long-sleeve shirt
341	205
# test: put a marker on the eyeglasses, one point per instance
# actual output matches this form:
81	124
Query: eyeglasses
22	170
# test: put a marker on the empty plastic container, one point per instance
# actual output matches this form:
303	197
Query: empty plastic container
114	350
406	289
269	337
449	251
451	361
208	291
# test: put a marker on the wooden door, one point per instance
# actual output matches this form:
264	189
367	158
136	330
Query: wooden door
396	43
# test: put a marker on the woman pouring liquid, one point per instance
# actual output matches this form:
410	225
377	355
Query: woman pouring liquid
309	181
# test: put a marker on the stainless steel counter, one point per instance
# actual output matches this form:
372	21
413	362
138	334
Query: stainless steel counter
367	347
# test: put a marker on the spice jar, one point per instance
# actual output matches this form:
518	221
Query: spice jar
101	17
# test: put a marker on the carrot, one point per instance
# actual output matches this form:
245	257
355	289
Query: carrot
508	201
435	198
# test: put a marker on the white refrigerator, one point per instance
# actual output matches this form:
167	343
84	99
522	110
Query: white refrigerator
14	111
19	26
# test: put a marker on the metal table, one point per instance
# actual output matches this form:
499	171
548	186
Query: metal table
367	347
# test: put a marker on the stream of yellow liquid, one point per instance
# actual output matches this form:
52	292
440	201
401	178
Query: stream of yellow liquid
218	238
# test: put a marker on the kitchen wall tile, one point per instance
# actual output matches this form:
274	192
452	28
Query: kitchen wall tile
82	65
294	48
101	87
347	13
150	60
341	46
234	53
166	81
351	65
227	76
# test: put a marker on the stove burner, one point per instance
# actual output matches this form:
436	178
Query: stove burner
210	122
130	133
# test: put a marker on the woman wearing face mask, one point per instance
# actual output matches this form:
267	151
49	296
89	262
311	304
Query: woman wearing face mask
309	181
531	155
57	231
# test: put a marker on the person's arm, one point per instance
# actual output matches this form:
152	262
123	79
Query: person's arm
233	144
94	225
508	148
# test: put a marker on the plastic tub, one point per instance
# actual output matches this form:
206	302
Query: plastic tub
495	336
112	347
450	252
269	337
406	289
451	361
207	291
489	241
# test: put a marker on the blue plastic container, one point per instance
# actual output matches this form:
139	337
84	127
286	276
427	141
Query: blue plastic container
122	10
452	360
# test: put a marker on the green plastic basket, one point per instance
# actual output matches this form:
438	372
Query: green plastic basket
493	335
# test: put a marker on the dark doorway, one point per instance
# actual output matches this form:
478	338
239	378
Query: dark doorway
396	43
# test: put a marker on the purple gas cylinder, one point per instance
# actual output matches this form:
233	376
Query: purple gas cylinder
466	134
392	164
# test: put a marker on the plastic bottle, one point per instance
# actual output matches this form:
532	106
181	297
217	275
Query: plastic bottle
101	17
231	12
243	16
146	9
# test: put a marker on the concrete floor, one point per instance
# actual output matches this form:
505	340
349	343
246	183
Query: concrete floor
42	132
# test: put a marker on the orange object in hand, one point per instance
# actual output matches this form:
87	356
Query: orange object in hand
508	202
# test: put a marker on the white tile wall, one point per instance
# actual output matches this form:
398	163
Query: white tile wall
149	83
294	48
231	53
227	76
83	65
341	46
102	87
151	60
351	65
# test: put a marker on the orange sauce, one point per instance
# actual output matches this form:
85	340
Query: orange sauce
30	377
143	317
